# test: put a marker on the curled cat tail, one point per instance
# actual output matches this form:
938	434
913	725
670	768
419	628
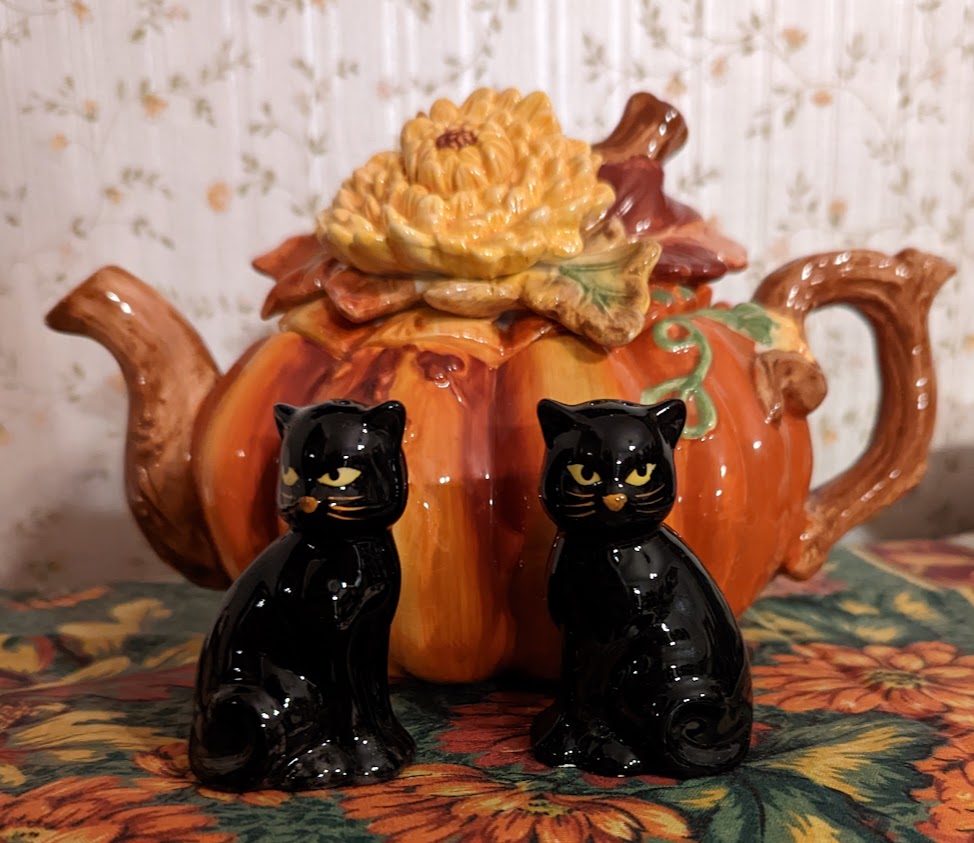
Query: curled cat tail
236	737
707	734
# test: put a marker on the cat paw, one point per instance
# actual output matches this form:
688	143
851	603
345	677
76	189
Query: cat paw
558	741
323	765
380	757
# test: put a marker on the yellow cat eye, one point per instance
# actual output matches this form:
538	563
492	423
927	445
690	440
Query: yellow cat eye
640	476
340	476
583	475
290	477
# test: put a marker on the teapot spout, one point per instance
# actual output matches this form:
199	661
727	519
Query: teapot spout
168	372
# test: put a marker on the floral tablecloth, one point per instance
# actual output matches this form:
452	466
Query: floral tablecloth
864	690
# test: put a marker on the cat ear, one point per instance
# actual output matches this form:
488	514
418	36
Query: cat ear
282	415
670	417
555	419
390	417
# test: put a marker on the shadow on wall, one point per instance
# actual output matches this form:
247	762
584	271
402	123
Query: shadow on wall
71	547
942	505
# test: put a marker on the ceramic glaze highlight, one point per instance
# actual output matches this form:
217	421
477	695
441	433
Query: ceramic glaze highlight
654	674
630	316
292	686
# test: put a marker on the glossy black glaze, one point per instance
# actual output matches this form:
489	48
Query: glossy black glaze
654	677
292	686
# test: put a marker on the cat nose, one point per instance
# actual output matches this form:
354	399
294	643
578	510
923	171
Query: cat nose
307	504
615	502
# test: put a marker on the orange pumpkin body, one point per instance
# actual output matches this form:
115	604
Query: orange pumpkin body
473	540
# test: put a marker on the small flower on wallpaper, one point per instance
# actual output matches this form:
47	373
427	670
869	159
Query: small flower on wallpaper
794	38
218	196
153	105
81	11
154	13
675	87
282	8
5	437
837	211
58	142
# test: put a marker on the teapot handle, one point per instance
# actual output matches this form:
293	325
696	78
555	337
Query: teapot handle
894	295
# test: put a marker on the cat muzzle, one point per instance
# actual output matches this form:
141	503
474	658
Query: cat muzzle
615	502
307	504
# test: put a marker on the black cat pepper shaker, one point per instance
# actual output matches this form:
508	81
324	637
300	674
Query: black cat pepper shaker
292	687
655	677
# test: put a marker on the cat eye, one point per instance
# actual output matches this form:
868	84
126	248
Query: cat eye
583	475
290	477
640	476
340	476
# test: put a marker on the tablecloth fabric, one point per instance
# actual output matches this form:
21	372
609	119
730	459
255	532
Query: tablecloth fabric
864	692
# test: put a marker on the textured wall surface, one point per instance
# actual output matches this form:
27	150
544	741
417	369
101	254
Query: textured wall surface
181	139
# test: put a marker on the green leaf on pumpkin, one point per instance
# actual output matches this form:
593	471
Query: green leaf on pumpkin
603	296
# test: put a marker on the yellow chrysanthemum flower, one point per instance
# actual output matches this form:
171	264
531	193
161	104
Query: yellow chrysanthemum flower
482	190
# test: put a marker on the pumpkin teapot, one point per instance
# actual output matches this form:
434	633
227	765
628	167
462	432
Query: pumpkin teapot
487	263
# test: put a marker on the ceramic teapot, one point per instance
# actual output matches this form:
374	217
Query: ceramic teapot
487	263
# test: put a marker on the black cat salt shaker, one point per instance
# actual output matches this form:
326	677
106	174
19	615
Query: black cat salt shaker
292	686
655	677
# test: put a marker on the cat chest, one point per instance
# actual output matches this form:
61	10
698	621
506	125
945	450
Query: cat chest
610	589
338	570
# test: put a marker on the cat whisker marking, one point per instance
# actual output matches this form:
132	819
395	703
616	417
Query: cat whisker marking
650	492
331	514
340	508
343	498
577	505
579	494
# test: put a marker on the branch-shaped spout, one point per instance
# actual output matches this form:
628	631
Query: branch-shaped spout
168	372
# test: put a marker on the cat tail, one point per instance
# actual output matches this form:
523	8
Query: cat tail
709	733
237	737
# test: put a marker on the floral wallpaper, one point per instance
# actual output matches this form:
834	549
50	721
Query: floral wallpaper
179	140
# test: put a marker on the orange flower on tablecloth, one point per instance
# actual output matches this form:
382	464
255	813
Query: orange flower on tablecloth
100	810
920	680
59	601
933	559
496	732
462	804
170	765
952	791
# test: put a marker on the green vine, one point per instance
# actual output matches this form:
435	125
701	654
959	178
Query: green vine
749	319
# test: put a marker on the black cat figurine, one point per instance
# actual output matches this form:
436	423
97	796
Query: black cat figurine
292	686
654	677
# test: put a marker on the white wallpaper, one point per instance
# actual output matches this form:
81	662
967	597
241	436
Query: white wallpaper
181	139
